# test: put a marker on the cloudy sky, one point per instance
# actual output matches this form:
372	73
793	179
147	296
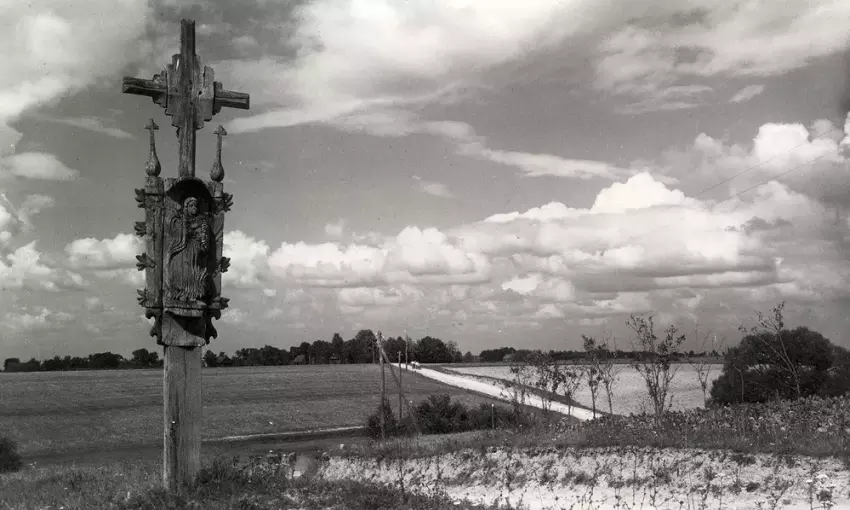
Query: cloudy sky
491	172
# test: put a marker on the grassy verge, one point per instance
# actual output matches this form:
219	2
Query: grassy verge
255	485
812	427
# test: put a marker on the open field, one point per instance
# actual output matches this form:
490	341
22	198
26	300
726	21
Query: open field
54	412
629	393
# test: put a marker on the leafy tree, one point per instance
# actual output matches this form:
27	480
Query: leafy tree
774	362
144	359
655	360
210	359
495	355
432	350
9	362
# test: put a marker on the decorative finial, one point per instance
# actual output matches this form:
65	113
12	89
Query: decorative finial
152	167
217	172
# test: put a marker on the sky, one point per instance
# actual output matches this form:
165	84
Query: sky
489	172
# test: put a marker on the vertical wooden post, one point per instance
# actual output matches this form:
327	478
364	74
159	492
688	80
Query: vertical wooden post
182	406
183	263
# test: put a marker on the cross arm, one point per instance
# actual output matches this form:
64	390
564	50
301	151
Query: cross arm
141	87
157	89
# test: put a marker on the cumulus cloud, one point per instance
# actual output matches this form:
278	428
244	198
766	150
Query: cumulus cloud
415	255
59	50
44	319
23	268
105	254
248	260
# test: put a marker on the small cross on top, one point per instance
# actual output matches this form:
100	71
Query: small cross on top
217	171
152	167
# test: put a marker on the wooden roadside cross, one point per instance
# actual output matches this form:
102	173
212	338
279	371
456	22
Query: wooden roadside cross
183	262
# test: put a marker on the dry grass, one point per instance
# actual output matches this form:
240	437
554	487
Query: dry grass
259	484
52	412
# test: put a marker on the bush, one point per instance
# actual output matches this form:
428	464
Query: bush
787	365
391	425
440	415
10	460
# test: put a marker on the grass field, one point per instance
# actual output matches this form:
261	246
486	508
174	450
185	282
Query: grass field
629	393
54	412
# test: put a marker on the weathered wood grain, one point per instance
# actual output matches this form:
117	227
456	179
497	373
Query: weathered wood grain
182	414
183	261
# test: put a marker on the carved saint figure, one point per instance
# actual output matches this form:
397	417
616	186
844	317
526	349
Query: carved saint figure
187	255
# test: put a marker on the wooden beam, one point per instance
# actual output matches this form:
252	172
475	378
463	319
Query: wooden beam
186	108
182	408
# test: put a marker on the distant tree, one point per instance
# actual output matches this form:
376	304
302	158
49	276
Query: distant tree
10	362
105	360
143	358
654	361
432	350
210	359
774	362
593	375
495	355
468	358
337	345
301	359
223	360
455	356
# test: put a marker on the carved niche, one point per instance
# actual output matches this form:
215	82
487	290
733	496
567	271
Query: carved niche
191	251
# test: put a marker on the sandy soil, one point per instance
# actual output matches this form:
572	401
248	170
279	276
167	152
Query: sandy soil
497	392
611	478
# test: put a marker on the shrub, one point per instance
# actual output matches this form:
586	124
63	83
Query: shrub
391	425
773	362
10	460
440	415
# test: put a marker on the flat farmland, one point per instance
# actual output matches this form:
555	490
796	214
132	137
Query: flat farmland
629	393
57	412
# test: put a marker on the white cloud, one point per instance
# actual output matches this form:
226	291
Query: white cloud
37	165
746	93
60	49
45	319
415	255
23	268
673	42
248	260
105	254
93	124
436	189
335	230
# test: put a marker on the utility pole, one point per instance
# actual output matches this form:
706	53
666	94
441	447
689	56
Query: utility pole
400	414
383	386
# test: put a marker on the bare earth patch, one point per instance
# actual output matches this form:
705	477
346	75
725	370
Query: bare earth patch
608	478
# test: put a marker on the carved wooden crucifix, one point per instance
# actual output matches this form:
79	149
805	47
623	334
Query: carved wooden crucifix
183	262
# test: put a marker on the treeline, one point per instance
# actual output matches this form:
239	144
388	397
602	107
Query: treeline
510	354
360	349
140	358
